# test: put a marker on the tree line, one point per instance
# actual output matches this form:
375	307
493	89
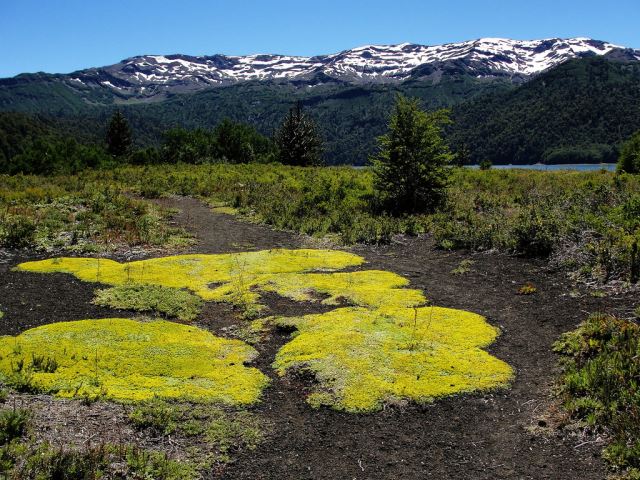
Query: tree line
411	166
31	145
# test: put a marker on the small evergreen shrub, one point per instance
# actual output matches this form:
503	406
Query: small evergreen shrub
600	386
13	424
17	231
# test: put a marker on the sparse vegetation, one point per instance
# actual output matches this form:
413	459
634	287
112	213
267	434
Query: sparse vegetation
584	222
463	267
29	460
581	221
527	289
173	302
599	385
223	431
78	214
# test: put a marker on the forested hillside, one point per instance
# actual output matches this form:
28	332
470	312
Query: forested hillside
580	111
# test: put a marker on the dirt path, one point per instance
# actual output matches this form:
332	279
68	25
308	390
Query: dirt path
220	233
483	436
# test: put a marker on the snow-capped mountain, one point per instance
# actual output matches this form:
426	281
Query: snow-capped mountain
150	75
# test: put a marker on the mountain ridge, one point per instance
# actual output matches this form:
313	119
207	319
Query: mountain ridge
147	77
582	108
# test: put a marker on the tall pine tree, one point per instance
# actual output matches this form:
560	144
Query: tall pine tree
118	135
298	140
412	166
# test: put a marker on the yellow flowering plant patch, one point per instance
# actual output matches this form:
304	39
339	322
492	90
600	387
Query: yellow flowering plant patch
129	360
386	345
222	277
368	288
364	357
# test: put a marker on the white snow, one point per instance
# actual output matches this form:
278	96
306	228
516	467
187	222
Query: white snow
501	55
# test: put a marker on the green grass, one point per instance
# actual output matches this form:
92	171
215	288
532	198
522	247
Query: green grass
172	302
600	385
586	222
222	431
28	460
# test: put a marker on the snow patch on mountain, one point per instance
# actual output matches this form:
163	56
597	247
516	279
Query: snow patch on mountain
486	57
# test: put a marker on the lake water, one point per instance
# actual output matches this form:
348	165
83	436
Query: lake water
569	166
585	167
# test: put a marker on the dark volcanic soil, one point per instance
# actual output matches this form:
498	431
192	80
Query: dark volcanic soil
29	299
484	436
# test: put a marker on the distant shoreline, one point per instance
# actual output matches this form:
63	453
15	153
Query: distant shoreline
585	167
611	167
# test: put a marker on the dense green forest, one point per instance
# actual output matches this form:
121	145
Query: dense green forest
349	117
33	146
579	112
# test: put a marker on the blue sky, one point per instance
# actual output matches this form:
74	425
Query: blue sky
66	35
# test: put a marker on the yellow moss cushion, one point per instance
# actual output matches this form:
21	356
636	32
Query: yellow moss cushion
369	288
129	360
388	346
364	357
222	277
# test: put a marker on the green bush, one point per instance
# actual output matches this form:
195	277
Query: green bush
17	231
600	383
13	424
534	233
485	164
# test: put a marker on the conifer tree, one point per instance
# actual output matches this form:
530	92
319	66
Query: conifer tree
118	135
298	140
412	166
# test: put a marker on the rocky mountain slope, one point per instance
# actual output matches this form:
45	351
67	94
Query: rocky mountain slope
153	76
513	101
